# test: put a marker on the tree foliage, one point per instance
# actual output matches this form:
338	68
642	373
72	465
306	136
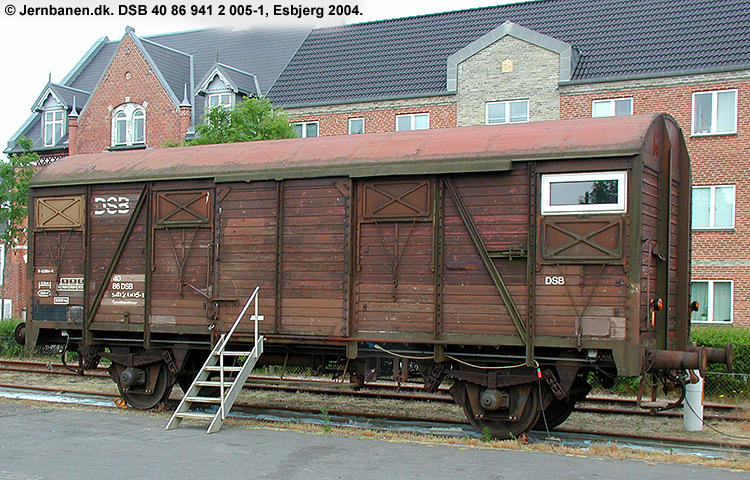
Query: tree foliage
251	119
15	175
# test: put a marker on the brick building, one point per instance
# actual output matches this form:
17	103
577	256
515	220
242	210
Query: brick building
526	62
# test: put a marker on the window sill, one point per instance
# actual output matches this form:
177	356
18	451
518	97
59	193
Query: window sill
721	134
136	146
718	229
693	322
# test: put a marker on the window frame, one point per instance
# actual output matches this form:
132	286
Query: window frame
714	113
412	121
52	124
612	102
128	113
712	207
709	307
303	128
507	112
219	95
355	119
584	209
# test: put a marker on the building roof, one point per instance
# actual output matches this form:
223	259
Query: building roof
185	58
408	57
615	39
423	152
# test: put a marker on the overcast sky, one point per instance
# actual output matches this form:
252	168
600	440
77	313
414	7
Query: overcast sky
35	47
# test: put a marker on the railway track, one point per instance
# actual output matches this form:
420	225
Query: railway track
593	404
360	420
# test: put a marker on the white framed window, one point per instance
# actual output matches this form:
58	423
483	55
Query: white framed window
713	207
356	126
714	113
128	125
612	107
54	126
584	193
513	111
220	99
305	129
715	298
412	121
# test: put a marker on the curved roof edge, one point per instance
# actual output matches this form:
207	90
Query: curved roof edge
436	151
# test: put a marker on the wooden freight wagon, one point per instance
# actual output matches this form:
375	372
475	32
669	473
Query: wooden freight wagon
497	255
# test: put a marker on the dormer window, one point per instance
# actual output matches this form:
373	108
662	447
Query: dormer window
54	127
129	125
223	99
218	93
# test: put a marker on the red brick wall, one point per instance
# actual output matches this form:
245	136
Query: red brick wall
441	116
143	87
14	278
715	160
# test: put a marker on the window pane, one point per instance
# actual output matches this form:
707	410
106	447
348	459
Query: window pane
702	113
48	132
139	129
122	130
297	127
727	112
403	123
213	100
583	193
519	111
624	107
724	207
356	126
699	293
701	197
226	99
311	130
602	109
722	302
59	116
422	122
58	132
495	113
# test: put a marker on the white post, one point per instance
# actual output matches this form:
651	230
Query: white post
692	417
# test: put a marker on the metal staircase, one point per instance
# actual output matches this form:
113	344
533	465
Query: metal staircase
227	388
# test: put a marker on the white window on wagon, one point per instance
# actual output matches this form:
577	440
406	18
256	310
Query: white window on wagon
715	113
612	107
356	126
713	207
715	301
305	129
129	125
584	193
412	121
513	111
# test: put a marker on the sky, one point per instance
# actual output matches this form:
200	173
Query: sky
36	48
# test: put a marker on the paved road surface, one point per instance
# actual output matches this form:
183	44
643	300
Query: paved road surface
51	443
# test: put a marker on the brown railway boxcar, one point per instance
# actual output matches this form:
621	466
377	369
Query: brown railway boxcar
503	256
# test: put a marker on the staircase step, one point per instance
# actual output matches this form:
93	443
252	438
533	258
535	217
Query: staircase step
216	383
203	399
197	416
217	368
237	354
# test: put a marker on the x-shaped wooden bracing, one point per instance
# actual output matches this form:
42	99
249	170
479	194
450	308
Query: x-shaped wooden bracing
397	199
184	207
581	239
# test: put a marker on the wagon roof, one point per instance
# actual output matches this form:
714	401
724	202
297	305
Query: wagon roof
434	151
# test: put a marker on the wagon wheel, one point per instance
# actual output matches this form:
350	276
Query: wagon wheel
555	414
497	421
139	396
